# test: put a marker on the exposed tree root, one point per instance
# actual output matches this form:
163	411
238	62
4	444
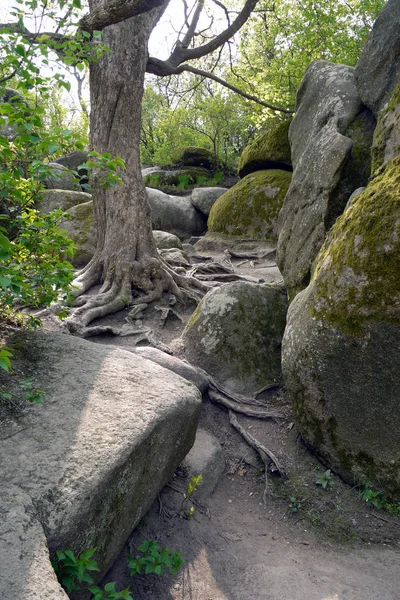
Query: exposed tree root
248	411
266	455
151	276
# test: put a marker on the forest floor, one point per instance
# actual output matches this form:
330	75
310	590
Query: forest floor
236	547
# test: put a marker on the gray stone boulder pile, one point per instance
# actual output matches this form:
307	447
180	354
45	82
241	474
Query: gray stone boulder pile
204	198
81	469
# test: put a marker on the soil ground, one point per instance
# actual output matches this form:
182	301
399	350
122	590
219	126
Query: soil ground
335	547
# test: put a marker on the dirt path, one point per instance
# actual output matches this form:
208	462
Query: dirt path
235	548
335	547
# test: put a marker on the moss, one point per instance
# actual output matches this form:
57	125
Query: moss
270	147
383	131
357	272
251	207
193	156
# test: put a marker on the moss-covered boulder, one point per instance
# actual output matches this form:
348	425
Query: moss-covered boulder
331	136
341	348
193	156
271	150
386	144
251	207
235	335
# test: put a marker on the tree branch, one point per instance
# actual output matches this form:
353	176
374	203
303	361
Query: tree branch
192	27
116	11
180	54
164	68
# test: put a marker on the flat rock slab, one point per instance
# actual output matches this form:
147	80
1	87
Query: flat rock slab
90	460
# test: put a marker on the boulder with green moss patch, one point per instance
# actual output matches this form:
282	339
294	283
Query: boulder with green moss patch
235	335
341	348
251	207
271	150
331	136
386	144
193	156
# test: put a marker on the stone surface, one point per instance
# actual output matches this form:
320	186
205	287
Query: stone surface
386	143
164	240
271	150
378	69
175	215
64	199
175	257
251	207
341	348
81	229
235	335
206	458
111	431
174	364
204	198
330	136
25	568
60	178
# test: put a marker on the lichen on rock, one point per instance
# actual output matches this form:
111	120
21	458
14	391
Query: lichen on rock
251	207
386	144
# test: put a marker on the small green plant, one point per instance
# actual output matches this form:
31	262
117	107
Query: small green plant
184	181
109	593
31	394
154	559
325	480
5	356
371	497
72	570
187	504
294	505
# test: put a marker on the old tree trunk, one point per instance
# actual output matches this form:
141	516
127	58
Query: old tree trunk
126	262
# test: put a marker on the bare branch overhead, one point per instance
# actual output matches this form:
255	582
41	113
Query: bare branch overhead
116	11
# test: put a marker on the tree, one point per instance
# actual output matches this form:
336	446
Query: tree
126	262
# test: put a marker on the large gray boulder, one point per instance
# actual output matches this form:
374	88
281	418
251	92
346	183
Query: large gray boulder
64	199
73	160
341	348
60	178
330	136
85	466
175	214
235	335
204	198
378	69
